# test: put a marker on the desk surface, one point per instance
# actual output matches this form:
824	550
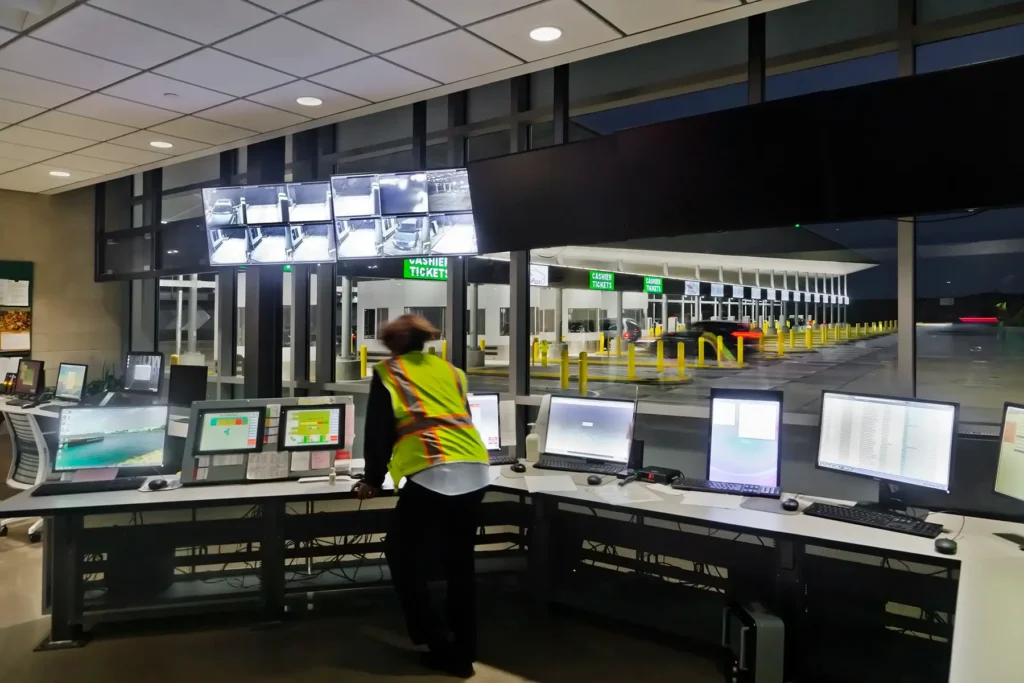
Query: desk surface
18	410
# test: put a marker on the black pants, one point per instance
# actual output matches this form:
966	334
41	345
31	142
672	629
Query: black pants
427	524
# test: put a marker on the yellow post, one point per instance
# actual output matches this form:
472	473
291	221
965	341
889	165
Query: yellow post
780	344
739	351
533	358
792	339
544	353
701	341
362	360
823	336
719	345
175	359
760	343
631	361
483	344
584	365
565	368
600	343
618	346
661	356
657	331
681	359
808	338
444	349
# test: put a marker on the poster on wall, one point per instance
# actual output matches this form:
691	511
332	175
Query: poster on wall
15	306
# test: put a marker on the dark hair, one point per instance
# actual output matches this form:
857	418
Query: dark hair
408	333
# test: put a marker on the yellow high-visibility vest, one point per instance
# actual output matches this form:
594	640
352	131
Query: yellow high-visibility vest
428	395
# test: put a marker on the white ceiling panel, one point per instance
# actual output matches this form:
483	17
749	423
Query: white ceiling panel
372	25
291	47
204	21
282	6
201	130
6	35
141	139
77	162
23	153
167	93
374	79
112	37
128	155
580	29
38	179
467	11
117	110
643	15
80	126
36	58
253	116
10	164
220	71
36	91
444	57
20	135
284	97
12	112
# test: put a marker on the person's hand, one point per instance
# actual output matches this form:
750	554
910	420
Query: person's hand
364	491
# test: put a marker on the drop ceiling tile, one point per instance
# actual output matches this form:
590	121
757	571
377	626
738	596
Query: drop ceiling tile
156	91
373	26
642	15
141	139
6	35
10	164
253	116
112	37
23	153
12	112
20	135
580	29
374	79
452	57
282	6
291	47
36	91
36	58
220	71
201	130
193	19
127	155
38	179
284	97
80	126
467	11
77	162
117	110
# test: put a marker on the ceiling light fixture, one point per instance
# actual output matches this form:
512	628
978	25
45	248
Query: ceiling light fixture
545	34
309	101
160	144
60	174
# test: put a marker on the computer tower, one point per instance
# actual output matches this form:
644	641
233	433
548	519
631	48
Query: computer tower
754	640
186	384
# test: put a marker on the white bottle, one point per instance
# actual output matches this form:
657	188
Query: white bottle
332	476
532	444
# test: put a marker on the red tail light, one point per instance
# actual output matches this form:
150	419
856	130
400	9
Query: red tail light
746	335
970	319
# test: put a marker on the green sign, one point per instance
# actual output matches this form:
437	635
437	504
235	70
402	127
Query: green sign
426	269
653	285
602	279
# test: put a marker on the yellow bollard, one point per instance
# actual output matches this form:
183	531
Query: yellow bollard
618	346
631	361
564	374
760	343
444	349
584	365
681	359
535	349
544	353
175	359
661	356
780	345
739	351
719	345
600	343
792	339
483	344
823	336
657	331
362	360
701	341
808	338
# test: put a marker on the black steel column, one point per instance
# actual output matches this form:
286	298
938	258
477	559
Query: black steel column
300	326
325	322
756	59
455	319
419	136
561	103
519	278
227	319
906	231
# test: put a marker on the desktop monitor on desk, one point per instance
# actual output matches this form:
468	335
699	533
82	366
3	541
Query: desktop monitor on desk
312	428
743	443
30	378
144	373
230	431
70	382
590	428
1010	468
484	410
186	384
129	437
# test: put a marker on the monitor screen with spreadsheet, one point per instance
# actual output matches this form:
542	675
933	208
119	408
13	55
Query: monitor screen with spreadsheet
591	428
893	439
484	410
1010	469
230	431
743	446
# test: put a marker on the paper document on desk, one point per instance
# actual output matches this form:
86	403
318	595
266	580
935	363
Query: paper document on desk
626	495
551	484
267	465
712	500
665	488
494	471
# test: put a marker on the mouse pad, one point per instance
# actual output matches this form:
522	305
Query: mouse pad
766	505
172	483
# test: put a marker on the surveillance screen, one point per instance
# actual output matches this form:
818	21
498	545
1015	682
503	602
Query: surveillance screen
406	236
355	196
358	238
268	245
228	246
223	206
402	193
143	373
448	191
312	243
453	234
263	204
309	202
90	438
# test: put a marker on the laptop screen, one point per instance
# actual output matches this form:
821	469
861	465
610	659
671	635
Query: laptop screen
590	428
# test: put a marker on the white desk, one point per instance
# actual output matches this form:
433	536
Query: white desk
37	411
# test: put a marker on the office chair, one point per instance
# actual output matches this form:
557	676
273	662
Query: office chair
30	458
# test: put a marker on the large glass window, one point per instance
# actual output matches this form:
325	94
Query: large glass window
186	319
979	47
833	76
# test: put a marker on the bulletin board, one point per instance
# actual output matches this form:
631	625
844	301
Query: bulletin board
16	308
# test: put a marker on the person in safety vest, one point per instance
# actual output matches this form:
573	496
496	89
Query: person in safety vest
418	428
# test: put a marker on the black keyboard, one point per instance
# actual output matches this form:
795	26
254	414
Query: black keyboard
502	459
21	402
751	490
60	488
548	462
879	520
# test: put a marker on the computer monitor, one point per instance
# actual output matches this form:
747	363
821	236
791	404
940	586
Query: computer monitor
590	428
1010	468
186	383
144	372
123	437
484	410
70	382
230	431
743	443
906	441
311	428
30	378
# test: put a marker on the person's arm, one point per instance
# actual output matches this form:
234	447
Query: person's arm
379	433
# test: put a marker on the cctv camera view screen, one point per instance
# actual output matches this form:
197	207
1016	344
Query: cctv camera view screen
1010	471
89	438
358	238
223	206
268	245
355	196
585	428
70	382
448	191
228	246
311	243
229	430
745	441
403	193
143	373
484	410
309	203
263	204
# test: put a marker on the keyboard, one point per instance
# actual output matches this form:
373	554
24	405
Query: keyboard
548	462
59	488
502	459
22	402
751	490
879	520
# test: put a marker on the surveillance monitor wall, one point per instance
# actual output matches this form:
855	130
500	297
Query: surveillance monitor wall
312	243
452	234
263	204
269	245
358	237
223	206
403	193
309	202
448	191
228	246
355	196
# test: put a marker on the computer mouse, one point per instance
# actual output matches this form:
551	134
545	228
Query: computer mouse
945	546
791	505
593	480
157	484
518	467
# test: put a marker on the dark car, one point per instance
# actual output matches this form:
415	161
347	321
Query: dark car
631	330
729	331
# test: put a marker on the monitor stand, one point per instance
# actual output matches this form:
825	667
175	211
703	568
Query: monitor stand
889	503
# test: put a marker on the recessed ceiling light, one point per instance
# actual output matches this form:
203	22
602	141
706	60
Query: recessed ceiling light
160	144
60	174
545	34
163	222
310	101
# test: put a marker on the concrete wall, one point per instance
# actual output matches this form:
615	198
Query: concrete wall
74	318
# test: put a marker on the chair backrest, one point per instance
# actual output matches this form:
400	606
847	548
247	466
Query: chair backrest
31	457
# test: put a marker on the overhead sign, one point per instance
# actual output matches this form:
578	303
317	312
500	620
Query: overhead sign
717	289
602	279
426	269
653	285
693	288
737	291
771	295
755	292
538	276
